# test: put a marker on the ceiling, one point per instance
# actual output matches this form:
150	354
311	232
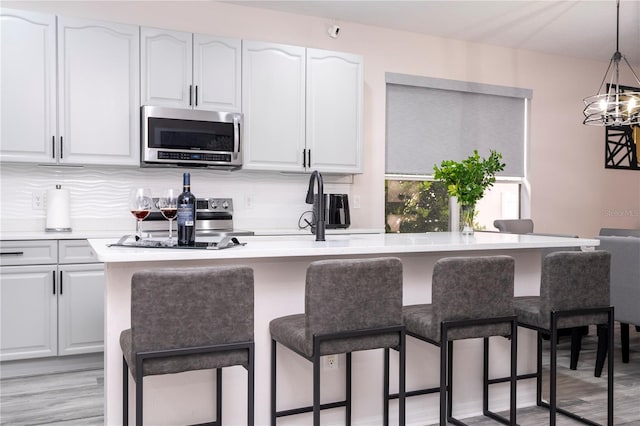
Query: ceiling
575	28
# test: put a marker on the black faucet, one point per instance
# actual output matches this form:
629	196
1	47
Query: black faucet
318	219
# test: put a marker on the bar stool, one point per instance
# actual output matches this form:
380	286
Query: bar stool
574	291
185	319
472	297
350	305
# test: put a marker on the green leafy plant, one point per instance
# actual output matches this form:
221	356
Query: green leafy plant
469	178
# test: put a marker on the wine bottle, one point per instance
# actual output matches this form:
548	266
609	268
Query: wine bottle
186	214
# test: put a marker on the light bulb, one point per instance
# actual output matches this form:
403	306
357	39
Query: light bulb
603	105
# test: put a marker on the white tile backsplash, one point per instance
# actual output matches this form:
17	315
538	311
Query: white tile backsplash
99	195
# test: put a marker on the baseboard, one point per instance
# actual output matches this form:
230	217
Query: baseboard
51	365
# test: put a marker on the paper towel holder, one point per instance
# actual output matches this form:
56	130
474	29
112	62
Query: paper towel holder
58	214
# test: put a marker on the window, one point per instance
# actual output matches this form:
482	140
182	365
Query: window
429	120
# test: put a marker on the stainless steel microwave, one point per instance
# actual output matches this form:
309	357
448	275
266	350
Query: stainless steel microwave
192	138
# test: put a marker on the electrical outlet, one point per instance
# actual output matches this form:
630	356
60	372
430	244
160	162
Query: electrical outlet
37	201
331	362
248	202
356	201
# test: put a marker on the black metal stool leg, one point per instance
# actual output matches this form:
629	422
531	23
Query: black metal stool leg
449	380
348	391
316	388
139	394
553	366
273	382
219	396
385	389
251	387
125	392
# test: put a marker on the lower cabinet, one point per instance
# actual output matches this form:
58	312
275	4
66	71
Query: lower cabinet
50	309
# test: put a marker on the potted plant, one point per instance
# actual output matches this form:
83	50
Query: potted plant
467	180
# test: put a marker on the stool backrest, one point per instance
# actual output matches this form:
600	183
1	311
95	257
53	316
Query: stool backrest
514	226
187	307
574	280
352	294
472	288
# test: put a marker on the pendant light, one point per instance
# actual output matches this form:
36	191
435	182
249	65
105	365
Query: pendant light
614	105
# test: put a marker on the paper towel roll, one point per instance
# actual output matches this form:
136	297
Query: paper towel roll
58	214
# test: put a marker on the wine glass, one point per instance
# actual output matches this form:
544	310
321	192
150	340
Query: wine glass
168	204
140	203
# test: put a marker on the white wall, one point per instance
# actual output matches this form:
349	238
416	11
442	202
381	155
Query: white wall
571	192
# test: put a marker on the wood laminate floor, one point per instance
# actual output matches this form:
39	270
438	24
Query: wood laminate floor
77	398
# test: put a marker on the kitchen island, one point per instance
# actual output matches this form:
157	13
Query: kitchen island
279	265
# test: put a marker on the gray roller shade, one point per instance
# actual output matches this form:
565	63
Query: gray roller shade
430	120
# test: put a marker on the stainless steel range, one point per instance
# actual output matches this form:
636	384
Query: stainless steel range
214	218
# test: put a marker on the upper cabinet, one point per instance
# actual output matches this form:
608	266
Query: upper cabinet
28	79
334	111
96	119
302	109
273	83
185	70
99	102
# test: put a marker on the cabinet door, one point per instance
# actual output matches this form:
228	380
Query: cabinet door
99	99
166	67
28	312
334	111
216	73
273	99
81	309
27	104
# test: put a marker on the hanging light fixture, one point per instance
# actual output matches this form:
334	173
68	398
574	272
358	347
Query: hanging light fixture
616	105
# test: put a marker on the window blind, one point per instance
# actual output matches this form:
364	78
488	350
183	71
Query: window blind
430	120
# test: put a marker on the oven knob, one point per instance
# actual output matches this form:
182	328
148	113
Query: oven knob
213	205
225	205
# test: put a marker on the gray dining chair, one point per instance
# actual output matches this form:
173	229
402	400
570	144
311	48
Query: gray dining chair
350	305
185	319
514	226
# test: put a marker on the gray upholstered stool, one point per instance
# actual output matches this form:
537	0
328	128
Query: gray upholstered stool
574	291
185	319
350	305
472	297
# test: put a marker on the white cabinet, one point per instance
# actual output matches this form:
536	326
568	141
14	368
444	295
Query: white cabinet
99	106
334	111
185	70
303	109
28	80
50	306
80	299
96	119
273	87
29	312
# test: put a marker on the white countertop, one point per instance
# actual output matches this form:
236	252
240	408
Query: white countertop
117	233
339	245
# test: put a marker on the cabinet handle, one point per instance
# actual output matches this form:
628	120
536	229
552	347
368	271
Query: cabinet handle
190	95
196	95
53	275
60	283
309	159
304	158
53	147
61	147
12	253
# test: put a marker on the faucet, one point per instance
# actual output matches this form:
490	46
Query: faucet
318	220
